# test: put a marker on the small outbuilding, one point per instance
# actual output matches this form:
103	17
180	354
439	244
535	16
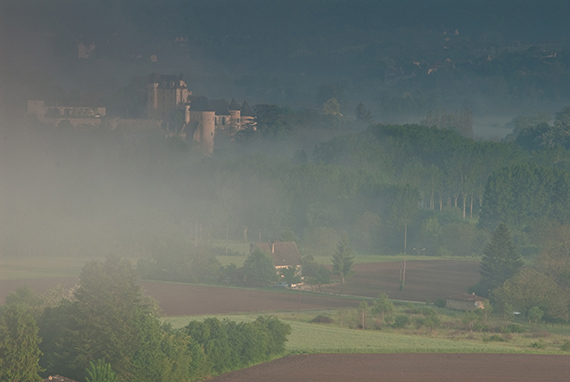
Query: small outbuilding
465	301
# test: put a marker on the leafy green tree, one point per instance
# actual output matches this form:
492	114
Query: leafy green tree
100	371
501	261
535	314
530	288
259	269
470	318
343	260
110	319
19	340
316	274
382	306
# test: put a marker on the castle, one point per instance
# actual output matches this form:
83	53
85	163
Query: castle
203	117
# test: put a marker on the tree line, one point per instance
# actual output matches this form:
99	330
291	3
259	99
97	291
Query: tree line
109	326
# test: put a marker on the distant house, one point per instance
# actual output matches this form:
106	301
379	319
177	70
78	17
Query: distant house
465	301
57	378
284	253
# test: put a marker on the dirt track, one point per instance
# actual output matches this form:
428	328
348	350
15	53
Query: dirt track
407	368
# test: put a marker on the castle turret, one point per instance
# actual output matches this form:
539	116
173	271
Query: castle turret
235	116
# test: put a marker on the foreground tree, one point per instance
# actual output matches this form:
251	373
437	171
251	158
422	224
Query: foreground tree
500	261
382	306
529	289
19	351
100	371
112	320
343	260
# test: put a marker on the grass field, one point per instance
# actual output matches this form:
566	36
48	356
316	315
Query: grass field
13	268
320	338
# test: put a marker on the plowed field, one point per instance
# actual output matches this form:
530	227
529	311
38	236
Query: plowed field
408	368
425	280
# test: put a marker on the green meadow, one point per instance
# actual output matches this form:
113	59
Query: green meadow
309	337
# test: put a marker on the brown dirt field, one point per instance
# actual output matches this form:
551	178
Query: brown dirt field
190	300
408	368
425	280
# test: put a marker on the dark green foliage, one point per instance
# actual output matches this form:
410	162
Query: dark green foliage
512	328
494	338
521	194
100	371
111	319
179	260
500	261
19	340
530	288
229	345
401	321
565	346
440	302
343	260
316	274
259	269
320	319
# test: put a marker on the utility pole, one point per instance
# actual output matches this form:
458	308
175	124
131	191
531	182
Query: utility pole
227	231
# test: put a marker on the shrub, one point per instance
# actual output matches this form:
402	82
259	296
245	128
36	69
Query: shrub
494	337
537	345
401	321
478	327
440	302
565	346
320	319
512	328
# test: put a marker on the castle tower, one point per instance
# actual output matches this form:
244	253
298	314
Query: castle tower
165	94
235	115
203	121
247	117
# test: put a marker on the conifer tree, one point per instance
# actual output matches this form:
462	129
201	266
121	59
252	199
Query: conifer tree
501	261
343	260
19	351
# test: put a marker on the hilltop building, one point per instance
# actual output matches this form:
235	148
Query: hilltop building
203	117
77	113
199	117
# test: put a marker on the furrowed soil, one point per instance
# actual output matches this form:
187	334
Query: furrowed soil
407	367
425	281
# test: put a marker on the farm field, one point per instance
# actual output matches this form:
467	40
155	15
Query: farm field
407	367
425	281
